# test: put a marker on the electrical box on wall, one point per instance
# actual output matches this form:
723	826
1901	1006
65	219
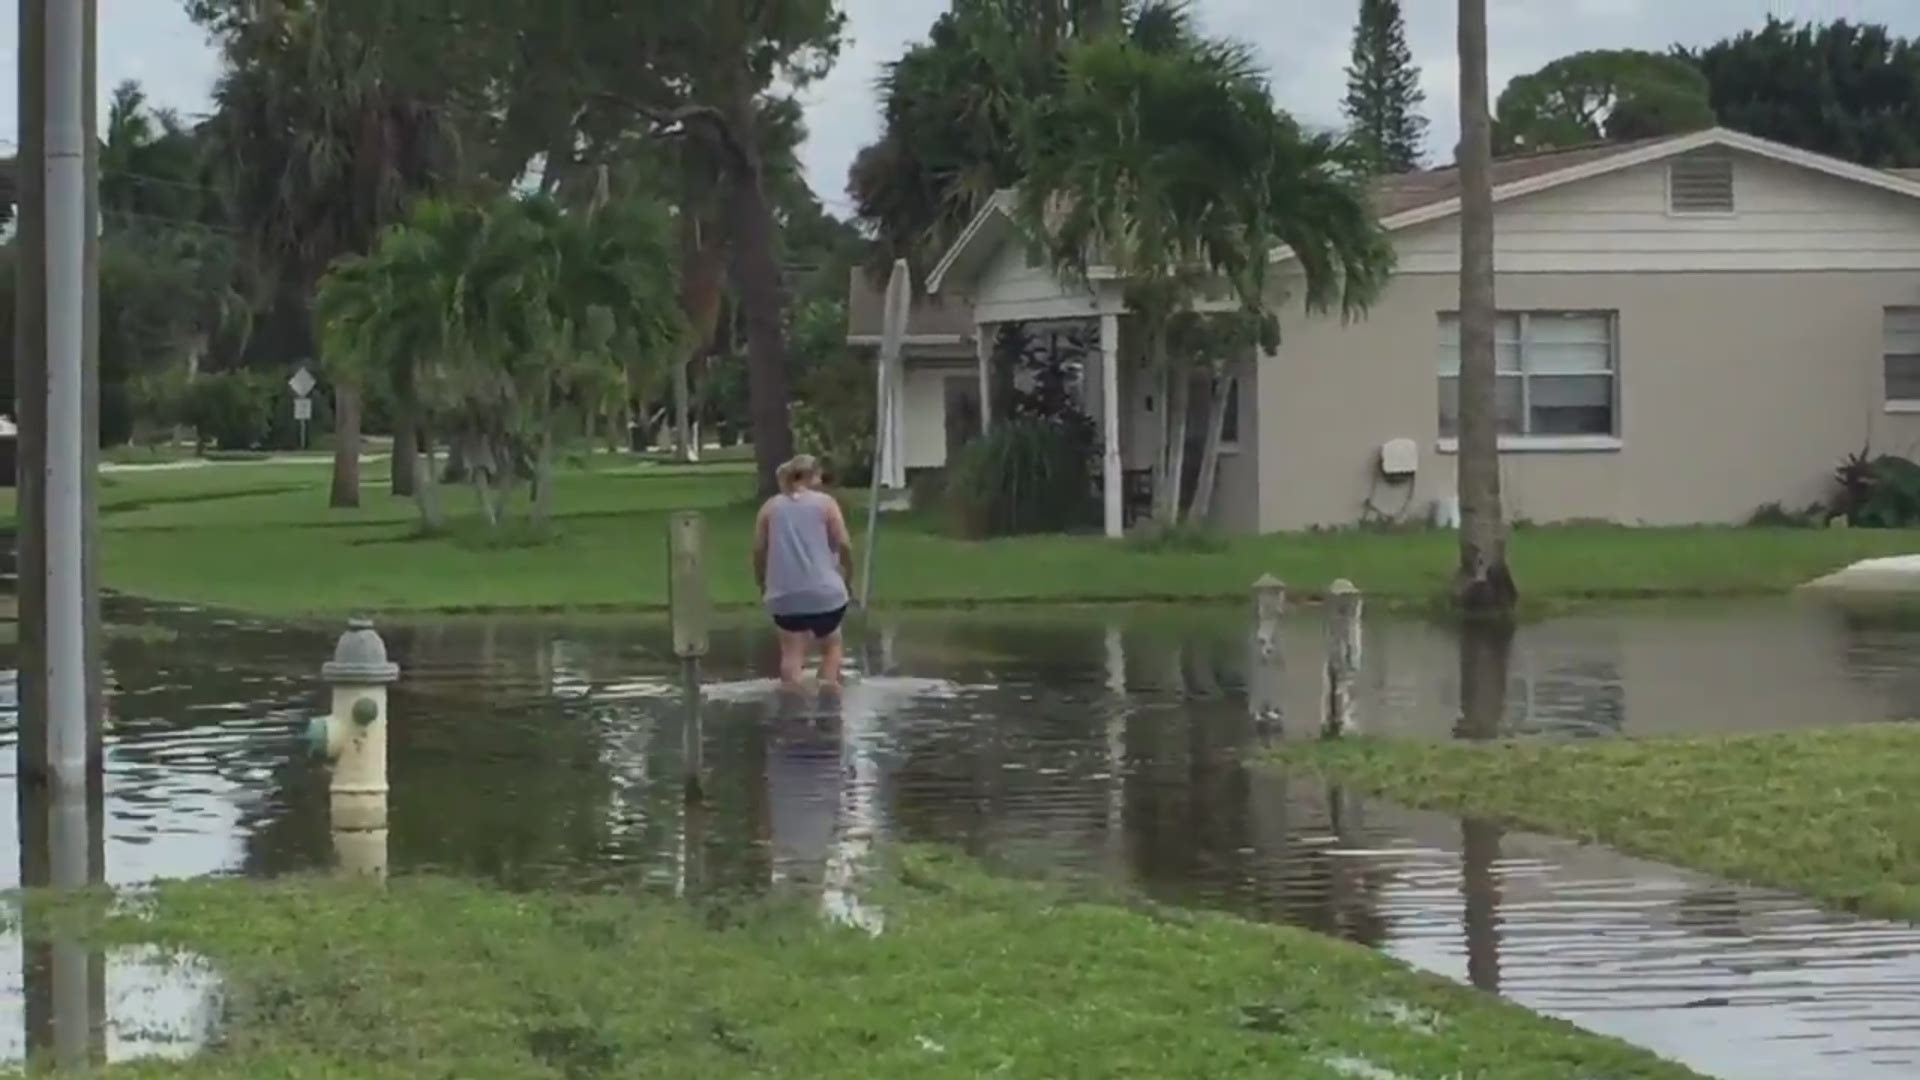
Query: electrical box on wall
1399	459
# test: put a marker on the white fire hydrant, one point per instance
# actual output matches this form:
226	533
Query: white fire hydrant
354	739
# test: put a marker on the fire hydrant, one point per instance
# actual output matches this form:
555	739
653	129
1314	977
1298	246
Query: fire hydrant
354	739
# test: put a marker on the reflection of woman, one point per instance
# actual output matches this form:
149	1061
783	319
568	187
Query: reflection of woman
802	558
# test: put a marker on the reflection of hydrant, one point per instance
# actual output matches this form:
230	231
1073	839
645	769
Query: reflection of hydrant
354	739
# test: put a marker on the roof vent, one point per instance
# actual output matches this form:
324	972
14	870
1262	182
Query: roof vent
1700	184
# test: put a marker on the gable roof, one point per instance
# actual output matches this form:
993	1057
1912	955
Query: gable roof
931	320
1411	199
1417	198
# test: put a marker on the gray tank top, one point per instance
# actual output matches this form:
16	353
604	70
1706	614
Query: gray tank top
803	573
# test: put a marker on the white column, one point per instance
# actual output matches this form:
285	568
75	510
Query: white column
1112	481
65	425
983	349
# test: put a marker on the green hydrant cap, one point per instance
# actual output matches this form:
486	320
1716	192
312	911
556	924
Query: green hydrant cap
360	658
317	736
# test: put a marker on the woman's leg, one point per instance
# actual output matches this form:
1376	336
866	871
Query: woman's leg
793	657
831	656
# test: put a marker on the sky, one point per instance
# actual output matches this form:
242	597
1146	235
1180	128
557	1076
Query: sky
1304	44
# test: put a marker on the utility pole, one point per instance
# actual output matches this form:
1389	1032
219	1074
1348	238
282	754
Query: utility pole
56	353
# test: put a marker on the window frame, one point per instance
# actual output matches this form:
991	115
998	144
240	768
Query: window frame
1525	440
1888	401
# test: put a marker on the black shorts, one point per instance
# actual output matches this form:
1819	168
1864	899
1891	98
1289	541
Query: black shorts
824	624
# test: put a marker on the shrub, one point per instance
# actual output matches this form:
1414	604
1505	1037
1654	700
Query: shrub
1025	476
231	409
1878	493
1185	538
1776	515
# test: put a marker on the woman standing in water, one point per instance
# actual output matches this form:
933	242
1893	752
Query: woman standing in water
802	560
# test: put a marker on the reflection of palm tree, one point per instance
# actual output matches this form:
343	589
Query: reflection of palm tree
1480	885
1486	663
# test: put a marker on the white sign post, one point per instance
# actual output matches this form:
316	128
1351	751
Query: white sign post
302	385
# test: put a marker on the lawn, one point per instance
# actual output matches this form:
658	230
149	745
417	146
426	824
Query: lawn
258	536
972	977
1827	813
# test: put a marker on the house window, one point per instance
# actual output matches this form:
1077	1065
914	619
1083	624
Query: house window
1900	356
1555	373
1700	184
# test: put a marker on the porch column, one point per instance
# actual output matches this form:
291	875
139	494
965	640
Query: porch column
983	350
1111	480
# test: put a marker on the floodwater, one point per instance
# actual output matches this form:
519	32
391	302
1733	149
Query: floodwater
1109	742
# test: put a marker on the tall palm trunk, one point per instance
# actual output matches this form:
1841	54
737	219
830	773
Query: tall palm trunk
1484	584
346	449
763	297
1201	510
1178	404
406	453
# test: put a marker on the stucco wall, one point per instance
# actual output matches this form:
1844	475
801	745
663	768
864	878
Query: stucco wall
1735	389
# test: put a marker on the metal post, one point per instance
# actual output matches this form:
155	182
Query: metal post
983	351
1343	657
1266	668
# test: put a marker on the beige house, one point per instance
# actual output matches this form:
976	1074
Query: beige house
1690	327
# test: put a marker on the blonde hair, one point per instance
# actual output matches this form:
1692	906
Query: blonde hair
800	469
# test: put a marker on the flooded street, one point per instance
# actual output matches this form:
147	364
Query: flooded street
1103	742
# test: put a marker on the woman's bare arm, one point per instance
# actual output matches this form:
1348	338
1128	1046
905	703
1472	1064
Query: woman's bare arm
760	547
842	542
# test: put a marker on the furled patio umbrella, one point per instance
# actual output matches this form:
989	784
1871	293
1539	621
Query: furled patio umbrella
887	461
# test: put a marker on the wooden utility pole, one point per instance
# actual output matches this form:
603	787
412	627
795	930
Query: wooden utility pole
57	380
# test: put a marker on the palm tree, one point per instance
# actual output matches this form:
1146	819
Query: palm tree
1484	584
1164	158
319	152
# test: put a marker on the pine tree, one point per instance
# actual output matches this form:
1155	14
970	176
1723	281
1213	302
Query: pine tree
1383	90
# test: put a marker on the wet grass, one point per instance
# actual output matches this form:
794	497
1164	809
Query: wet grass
1827	813
260	537
973	977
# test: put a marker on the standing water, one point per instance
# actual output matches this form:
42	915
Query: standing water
545	752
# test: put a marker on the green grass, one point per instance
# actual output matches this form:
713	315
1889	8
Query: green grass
259	536
972	977
1826	813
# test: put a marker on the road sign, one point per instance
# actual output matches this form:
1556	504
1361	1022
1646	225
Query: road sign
302	382
303	409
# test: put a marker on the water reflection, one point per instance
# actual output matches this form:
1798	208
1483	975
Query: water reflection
1113	744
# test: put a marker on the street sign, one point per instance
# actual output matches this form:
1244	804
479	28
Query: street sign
302	382
303	409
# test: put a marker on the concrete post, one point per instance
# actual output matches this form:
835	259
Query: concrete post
1343	658
690	611
354	738
1112	482
1266	668
687	600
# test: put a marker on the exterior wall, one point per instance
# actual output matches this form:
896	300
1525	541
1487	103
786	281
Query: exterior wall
1009	290
925	418
1748	353
1734	390
1785	218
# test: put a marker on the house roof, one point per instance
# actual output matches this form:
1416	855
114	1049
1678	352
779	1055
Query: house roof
1416	198
932	320
1393	195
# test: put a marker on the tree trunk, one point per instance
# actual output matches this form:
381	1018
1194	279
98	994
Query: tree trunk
763	298
425	491
1202	509
1179	401
703	259
346	449
406	454
543	481
1484	584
